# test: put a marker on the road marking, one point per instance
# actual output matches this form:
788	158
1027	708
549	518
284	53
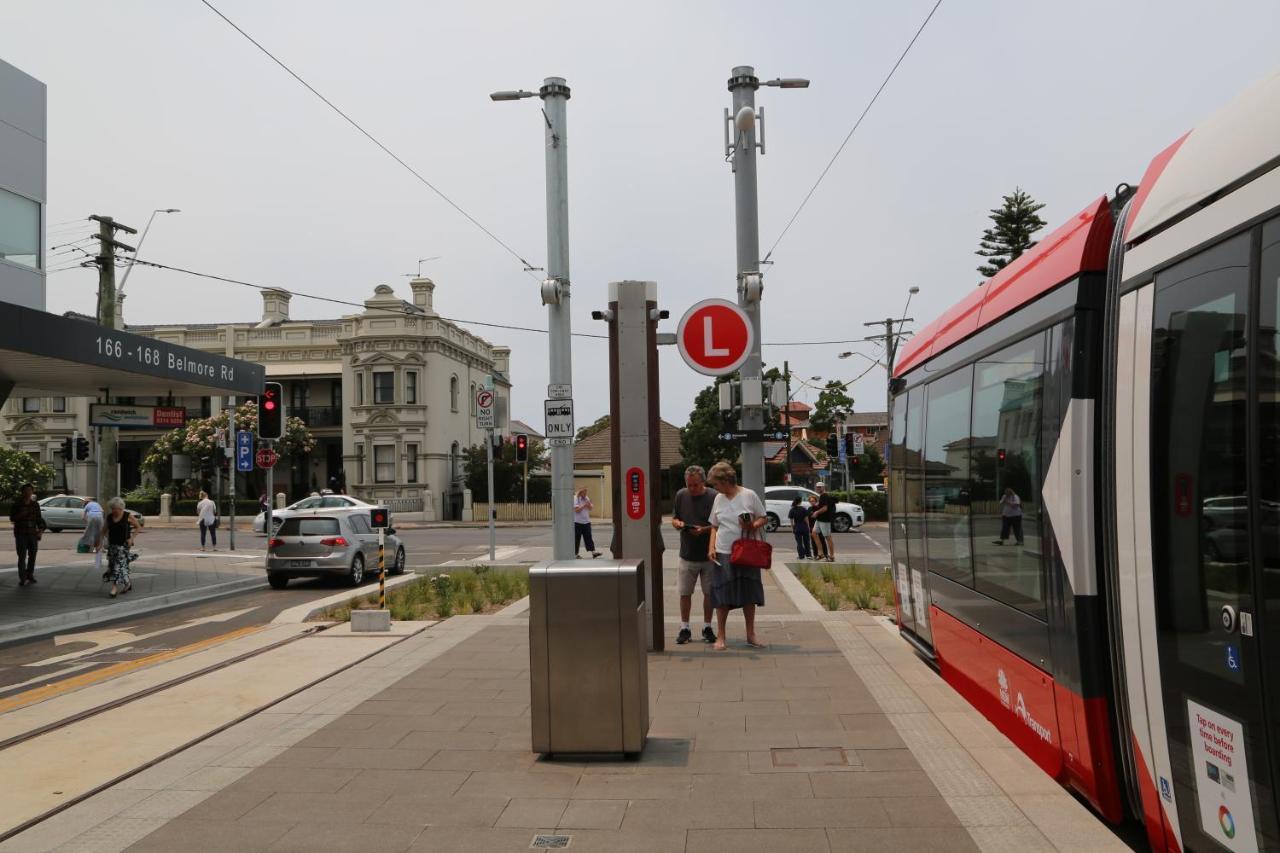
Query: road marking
113	637
66	685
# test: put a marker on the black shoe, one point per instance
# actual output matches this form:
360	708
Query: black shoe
595	554
31	579
106	576
708	636
22	581
684	636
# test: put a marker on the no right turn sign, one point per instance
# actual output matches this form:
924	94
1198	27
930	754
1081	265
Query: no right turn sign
485	405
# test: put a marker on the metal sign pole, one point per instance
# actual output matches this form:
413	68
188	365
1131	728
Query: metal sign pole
232	469
382	568
271	499
493	506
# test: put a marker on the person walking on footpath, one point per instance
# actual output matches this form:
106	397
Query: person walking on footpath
691	515
119	529
207	512
799	516
28	527
1010	516
92	533
735	513
823	516
582	524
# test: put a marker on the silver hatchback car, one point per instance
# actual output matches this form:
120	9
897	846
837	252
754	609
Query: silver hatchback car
330	543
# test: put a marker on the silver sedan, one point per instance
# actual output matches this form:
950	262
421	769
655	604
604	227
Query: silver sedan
314	502
330	543
66	512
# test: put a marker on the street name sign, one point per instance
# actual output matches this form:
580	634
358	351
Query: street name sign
558	427
560	392
485	417
715	337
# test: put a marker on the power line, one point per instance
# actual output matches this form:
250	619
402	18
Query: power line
852	130
528	267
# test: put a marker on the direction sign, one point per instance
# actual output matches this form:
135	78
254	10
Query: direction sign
753	435
244	450
485	417
715	337
266	457
558	428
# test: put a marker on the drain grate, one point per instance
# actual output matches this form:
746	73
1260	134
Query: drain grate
550	842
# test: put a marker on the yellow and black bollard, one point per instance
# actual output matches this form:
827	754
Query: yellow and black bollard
382	570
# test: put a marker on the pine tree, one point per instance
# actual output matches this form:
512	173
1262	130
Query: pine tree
1015	221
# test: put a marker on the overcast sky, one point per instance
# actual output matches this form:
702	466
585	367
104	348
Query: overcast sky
158	103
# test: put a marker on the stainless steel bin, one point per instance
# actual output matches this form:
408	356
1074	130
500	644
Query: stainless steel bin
588	661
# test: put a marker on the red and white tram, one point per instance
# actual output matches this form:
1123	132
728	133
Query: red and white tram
1121	378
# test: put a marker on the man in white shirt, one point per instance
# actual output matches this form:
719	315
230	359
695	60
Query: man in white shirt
582	524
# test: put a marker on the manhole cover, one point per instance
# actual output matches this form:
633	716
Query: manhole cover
806	758
549	842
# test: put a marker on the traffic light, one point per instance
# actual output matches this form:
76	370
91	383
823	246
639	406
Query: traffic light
82	448
848	443
853	461
67	445
1000	455
833	445
379	517
271	411
522	447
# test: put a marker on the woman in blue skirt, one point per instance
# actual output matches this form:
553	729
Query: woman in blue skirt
736	513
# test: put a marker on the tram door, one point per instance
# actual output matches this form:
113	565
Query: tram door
1205	510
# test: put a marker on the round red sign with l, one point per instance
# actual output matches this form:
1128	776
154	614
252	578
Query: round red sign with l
715	337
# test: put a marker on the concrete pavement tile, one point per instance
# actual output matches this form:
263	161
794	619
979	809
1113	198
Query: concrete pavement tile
657	815
675	709
744	742
210	778
520	783
432	810
488	709
405	723
721	694
593	814
450	740
784	813
494	840
794	722
742	709
349	722
1015	773
532	812
930	840
373	759
758	841
921	811
655	786
53	833
165	804
479	759
619	841
870	722
497	725
885	783
753	786
114	835
393	707
1066	823
227	805
851	740
888	759
763	762
297	779
340	838
707	761
514	741
345	807
1011	839
303	756
372	738
442	783
987	811
213	836
158	777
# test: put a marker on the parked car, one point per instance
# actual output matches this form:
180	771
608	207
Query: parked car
66	512
868	487
330	543
777	503
329	501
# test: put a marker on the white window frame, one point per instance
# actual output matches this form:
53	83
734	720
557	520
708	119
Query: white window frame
378	451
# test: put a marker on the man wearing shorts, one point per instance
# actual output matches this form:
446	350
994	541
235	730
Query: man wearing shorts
692	517
823	517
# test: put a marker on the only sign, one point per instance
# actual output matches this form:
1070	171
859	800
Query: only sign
715	337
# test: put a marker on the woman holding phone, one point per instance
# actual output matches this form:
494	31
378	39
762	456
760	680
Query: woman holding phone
736	513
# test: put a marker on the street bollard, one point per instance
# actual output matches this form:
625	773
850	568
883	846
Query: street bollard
382	569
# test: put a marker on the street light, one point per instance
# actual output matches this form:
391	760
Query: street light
132	259
510	95
787	83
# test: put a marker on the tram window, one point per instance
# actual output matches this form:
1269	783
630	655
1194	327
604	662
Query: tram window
897	455
946	476
913	493
1005	475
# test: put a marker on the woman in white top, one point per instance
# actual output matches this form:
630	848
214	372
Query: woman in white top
735	513
207	511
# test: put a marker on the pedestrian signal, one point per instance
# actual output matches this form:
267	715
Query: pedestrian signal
67	445
271	411
833	445
853	460
379	517
522	447
82	448
848	443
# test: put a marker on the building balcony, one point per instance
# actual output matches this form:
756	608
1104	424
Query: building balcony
317	417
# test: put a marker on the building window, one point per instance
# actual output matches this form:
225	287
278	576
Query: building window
19	230
453	393
335	394
411	463
30	404
384	463
411	387
359	388
384	388
59	404
455	463
360	472
473	399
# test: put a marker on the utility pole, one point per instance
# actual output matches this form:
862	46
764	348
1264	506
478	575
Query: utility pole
786	414
555	295
890	341
108	470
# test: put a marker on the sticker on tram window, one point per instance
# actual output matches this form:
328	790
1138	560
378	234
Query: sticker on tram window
1221	778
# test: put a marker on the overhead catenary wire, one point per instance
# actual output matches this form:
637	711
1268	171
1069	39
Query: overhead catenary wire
852	130
526	266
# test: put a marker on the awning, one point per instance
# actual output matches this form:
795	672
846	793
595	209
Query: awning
319	368
43	353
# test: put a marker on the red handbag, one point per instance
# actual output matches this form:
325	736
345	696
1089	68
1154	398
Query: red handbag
752	552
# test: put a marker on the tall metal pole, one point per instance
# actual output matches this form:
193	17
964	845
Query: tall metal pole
786	414
271	502
493	505
743	85
555	98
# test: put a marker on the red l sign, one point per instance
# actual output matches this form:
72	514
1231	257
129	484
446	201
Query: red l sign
635	494
715	337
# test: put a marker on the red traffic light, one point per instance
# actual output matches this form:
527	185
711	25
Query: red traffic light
379	517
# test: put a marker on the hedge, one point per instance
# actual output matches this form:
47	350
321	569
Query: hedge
875	505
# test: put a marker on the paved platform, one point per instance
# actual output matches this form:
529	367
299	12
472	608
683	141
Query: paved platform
836	738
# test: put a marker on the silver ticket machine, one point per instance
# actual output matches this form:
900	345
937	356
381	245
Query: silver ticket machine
588	662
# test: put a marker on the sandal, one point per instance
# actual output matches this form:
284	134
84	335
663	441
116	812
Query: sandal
756	644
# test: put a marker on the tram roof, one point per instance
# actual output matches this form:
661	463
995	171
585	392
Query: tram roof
1080	245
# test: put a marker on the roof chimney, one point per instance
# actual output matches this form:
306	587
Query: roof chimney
275	306
423	293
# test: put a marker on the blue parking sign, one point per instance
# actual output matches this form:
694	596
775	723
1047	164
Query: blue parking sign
244	451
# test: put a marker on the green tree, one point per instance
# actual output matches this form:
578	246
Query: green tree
1015	221
601	424
16	468
870	467
198	439
700	442
508	474
833	406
